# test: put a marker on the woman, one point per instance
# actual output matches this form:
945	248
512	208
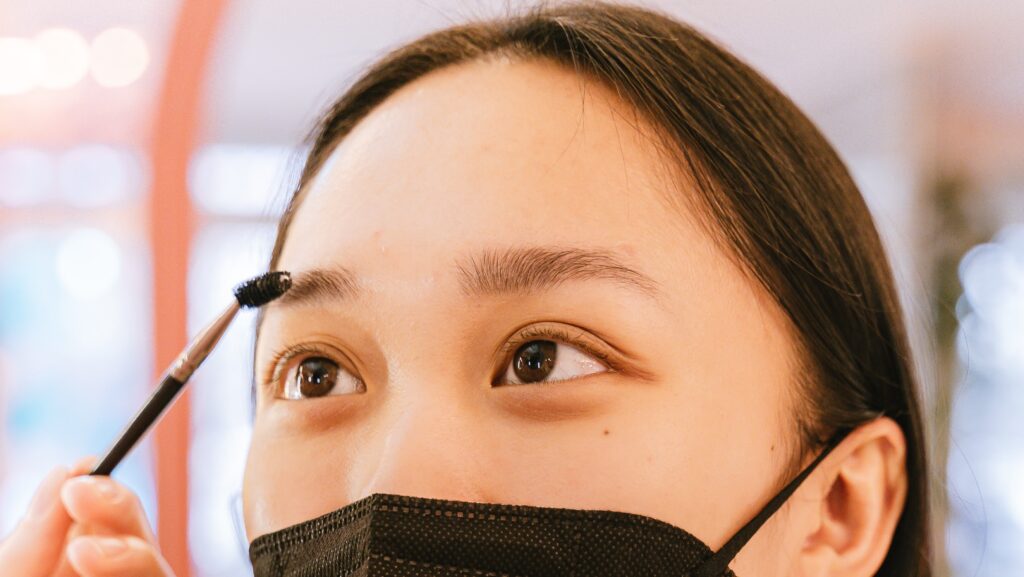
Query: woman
572	261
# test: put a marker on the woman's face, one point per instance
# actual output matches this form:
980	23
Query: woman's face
479	209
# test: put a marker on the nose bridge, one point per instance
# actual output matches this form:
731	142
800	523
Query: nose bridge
427	445
425	438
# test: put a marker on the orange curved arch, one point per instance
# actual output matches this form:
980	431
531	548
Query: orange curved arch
171	221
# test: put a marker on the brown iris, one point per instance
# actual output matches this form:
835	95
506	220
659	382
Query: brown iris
316	376
534	360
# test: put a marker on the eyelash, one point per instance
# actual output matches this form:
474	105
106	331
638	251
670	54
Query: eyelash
283	357
558	334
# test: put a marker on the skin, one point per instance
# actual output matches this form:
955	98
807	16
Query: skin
79	525
693	426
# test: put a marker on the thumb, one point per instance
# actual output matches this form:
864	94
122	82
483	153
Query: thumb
37	542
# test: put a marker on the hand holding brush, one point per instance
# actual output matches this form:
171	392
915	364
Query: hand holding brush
90	524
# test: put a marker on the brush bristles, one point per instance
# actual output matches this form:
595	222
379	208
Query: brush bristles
262	289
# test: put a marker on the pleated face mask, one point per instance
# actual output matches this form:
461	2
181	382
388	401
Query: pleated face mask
386	535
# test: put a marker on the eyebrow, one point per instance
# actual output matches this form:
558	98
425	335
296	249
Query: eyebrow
493	272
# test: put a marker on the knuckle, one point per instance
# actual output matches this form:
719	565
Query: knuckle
113	505
131	518
129	499
115	491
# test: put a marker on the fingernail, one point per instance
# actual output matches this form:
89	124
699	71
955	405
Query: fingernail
109	546
98	484
46	494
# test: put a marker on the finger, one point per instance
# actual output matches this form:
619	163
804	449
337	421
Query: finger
64	569
84	465
35	545
94	556
105	505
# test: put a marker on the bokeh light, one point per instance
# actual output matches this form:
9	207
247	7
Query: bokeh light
21	65
119	57
88	263
65	57
992	275
26	176
239	180
95	175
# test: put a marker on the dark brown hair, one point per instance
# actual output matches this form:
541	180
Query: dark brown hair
769	187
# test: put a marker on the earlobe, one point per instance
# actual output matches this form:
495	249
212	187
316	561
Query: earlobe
864	490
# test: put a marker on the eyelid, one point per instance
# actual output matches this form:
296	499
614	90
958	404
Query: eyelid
283	357
572	336
567	334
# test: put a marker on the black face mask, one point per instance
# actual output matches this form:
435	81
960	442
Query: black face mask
385	535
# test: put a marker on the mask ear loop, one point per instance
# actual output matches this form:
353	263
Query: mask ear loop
719	562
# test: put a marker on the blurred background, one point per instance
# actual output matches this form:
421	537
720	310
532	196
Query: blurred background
145	147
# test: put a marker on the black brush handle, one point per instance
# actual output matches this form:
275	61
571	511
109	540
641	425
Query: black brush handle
144	419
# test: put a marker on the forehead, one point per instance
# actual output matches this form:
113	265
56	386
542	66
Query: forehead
490	153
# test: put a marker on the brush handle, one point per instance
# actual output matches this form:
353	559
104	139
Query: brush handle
174	379
144	419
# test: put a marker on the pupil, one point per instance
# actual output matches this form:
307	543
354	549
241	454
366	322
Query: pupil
534	361
316	376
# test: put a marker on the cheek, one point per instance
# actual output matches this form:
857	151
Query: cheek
287	481
775	549
651	456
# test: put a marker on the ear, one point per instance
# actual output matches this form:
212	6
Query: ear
863	489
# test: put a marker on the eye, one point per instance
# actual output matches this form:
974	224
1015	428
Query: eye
314	375
551	359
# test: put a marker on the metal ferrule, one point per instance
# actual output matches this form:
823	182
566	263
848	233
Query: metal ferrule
196	352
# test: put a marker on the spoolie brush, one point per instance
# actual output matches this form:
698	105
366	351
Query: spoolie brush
259	291
253	293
